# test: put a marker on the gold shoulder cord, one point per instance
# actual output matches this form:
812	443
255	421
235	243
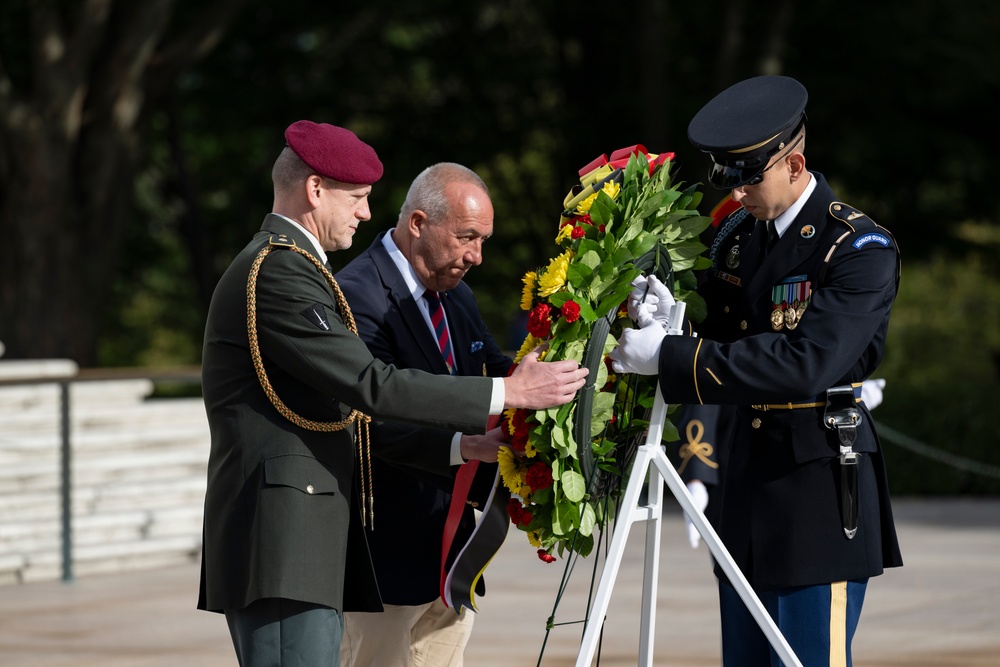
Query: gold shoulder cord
361	435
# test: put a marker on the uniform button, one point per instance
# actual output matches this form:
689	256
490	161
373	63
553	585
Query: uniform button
755	423
726	309
310	489
743	325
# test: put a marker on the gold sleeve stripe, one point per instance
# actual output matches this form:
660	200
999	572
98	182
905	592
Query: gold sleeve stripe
694	371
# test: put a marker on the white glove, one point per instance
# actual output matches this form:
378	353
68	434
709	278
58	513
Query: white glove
638	350
651	295
699	493
871	392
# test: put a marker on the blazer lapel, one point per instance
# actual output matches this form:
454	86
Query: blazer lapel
400	296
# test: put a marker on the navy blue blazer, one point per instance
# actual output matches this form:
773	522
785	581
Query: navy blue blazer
411	503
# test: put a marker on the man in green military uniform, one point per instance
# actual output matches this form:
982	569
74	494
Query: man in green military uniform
288	388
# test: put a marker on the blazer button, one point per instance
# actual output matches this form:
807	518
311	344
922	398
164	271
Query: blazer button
743	325
725	309
310	489
755	423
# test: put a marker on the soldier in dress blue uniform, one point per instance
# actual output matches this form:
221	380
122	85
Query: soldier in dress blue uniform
798	308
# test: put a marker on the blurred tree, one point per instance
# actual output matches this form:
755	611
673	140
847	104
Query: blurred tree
78	82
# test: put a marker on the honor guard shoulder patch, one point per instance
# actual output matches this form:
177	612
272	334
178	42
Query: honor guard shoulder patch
871	238
316	314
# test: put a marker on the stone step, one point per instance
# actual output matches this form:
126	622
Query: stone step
32	537
46	397
109	558
106	417
39	505
93	442
104	470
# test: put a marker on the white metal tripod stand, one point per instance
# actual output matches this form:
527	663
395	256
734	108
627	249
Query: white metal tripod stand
652	459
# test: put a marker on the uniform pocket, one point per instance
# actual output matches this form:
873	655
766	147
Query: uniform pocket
304	473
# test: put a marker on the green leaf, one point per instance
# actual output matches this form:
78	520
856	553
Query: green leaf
565	518
588	520
573	485
604	405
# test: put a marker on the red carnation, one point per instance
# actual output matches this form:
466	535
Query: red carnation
571	311
578	232
539	476
539	323
519	515
585	219
545	556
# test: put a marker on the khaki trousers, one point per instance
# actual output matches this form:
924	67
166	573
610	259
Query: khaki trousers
427	635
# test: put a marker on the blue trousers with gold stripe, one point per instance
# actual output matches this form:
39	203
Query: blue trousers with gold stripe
818	622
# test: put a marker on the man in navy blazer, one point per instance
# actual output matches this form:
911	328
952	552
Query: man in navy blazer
439	236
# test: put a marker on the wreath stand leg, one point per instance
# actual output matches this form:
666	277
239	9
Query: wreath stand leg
651	458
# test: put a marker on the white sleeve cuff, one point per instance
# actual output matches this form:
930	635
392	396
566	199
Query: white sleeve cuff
498	397
456	450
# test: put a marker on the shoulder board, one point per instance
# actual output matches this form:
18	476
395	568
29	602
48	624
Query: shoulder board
862	231
282	240
850	216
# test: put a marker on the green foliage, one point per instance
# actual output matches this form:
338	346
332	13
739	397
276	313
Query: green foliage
625	218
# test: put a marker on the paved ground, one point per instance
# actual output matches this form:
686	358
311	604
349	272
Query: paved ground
941	610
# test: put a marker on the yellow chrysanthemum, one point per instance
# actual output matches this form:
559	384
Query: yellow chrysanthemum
529	451
565	232
509	469
610	188
509	414
584	206
555	275
533	539
526	292
529	344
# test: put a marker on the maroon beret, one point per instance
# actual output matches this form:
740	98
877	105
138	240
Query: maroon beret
334	152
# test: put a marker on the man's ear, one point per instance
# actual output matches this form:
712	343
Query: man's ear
416	223
796	166
314	189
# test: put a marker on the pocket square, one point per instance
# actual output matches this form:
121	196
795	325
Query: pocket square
476	346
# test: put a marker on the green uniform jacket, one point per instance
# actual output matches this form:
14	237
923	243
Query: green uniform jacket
281	516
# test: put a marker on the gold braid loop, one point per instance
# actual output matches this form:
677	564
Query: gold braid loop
362	420
695	447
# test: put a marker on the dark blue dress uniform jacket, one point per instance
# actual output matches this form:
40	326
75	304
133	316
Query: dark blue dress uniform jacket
412	502
281	517
780	514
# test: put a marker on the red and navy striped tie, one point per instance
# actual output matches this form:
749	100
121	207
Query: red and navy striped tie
440	328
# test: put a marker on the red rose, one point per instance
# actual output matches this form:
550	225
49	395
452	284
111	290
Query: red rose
571	311
539	323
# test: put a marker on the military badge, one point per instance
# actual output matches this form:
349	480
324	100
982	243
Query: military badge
807	232
733	257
